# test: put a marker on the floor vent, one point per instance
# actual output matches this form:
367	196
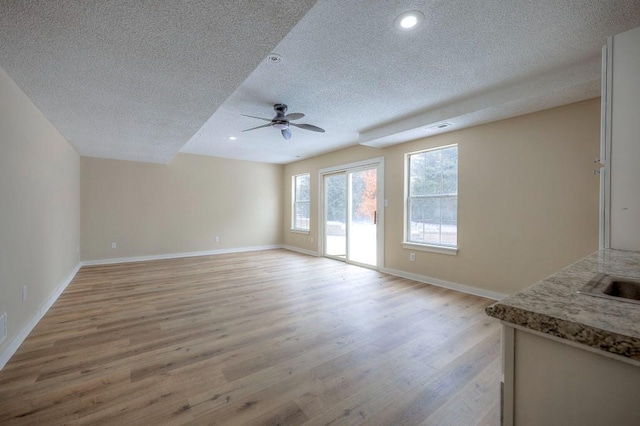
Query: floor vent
3	327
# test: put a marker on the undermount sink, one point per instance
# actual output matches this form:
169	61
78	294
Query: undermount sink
614	288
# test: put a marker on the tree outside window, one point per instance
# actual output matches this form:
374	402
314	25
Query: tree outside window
432	197
301	202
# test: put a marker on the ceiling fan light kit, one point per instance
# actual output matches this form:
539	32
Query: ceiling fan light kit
282	121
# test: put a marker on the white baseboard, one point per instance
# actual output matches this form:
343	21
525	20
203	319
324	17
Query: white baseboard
303	251
178	255
11	349
422	278
445	284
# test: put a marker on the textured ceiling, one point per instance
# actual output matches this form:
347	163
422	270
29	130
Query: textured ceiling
142	80
136	79
348	68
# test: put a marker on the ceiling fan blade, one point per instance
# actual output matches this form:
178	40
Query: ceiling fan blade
308	127
259	118
294	116
259	127
286	133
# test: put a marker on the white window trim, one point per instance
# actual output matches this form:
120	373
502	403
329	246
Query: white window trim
293	229
412	245
431	248
300	231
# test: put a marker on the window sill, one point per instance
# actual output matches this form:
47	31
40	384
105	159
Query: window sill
300	231
453	251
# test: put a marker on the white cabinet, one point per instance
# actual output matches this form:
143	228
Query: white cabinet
620	221
549	382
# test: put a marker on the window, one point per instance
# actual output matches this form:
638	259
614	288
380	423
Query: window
432	197
301	202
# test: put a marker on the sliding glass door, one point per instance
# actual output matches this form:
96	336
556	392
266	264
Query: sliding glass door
363	217
335	224
350	215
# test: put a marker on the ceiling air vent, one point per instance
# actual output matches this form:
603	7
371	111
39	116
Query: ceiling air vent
438	126
274	58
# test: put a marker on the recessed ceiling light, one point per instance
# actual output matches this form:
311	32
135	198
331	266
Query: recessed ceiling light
232	138
409	20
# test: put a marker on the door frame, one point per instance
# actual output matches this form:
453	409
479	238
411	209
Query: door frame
377	162
344	174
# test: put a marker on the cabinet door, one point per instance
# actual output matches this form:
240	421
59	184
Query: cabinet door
624	167
560	384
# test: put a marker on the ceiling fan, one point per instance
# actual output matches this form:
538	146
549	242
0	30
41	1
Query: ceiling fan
282	121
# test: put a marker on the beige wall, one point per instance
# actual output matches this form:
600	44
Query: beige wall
39	208
154	209
528	200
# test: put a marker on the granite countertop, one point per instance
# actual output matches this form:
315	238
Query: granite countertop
552	305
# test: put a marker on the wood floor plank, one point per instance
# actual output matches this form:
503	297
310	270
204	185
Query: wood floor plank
288	414
472	403
442	387
259	338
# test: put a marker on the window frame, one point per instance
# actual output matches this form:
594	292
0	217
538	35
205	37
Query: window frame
424	246
295	202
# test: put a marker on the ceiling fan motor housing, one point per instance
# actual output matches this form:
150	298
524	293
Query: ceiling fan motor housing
279	121
280	109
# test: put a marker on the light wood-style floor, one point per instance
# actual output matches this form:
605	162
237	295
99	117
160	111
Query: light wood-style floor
259	338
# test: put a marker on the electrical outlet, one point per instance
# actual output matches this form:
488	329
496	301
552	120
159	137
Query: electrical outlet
24	293
412	257
217	238
113	245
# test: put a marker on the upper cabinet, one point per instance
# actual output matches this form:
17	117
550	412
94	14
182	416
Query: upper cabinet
620	221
